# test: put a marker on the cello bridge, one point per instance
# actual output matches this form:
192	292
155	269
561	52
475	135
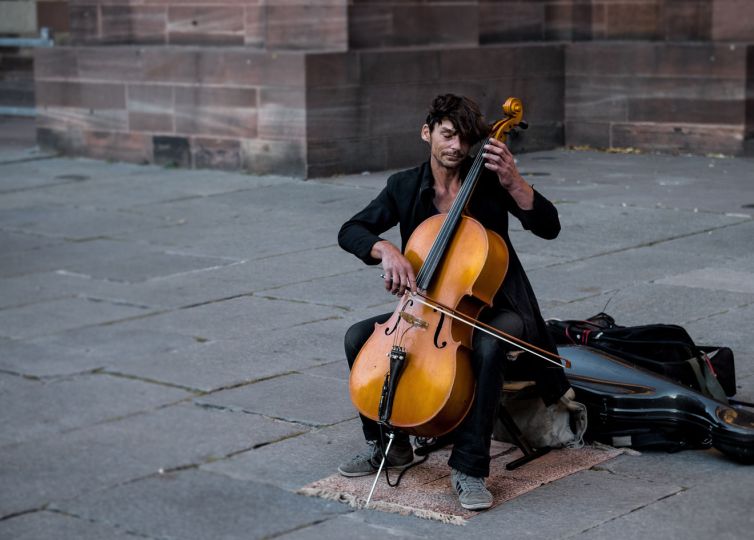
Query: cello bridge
414	321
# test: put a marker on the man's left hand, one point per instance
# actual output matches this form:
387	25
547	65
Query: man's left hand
499	159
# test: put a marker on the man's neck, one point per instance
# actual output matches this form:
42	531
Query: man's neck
446	180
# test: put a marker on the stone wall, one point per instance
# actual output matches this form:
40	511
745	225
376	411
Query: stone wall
642	20
259	24
321	87
365	108
680	97
303	114
144	105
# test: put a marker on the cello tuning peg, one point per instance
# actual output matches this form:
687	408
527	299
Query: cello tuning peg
523	124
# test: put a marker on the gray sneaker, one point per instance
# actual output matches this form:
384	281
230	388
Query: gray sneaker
472	493
400	456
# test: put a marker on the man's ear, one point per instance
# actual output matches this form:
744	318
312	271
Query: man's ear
425	133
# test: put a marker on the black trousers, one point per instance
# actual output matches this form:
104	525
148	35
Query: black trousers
471	440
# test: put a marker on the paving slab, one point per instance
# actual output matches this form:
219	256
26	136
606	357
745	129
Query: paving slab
307	198
577	279
86	349
32	409
19	241
74	223
356	289
149	265
718	244
690	514
167	291
62	314
212	365
359	527
255	242
67	255
296	397
685	469
29	289
715	278
246	296
235	318
63	466
653	302
297	461
591	229
198	504
43	525
672	181
337	369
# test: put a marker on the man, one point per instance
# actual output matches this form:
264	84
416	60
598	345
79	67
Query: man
454	124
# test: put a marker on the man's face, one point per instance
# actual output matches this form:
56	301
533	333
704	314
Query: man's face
446	147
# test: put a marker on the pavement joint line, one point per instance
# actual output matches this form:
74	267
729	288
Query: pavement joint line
110	420
13	229
297	301
679	490
132	377
718	313
22	375
647	244
236	410
233	386
268	443
300	527
113	301
28	160
24	512
656	207
294	252
315	321
189	272
117	526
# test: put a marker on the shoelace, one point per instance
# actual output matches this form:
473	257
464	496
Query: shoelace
470	484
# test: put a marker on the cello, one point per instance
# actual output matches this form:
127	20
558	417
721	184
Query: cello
414	372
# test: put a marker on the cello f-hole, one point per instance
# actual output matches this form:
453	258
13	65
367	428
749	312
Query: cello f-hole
390	331
437	331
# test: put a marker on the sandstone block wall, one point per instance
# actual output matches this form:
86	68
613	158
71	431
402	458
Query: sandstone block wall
365	108
144	105
259	24
680	97
320	87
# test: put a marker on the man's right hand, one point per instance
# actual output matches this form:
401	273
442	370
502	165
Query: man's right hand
398	272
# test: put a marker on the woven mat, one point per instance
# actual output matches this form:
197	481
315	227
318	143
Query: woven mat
425	490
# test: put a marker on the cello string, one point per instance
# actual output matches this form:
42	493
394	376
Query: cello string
494	334
451	220
449	224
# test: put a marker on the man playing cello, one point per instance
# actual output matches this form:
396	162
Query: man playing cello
454	124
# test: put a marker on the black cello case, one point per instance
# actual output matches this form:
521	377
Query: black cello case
631	406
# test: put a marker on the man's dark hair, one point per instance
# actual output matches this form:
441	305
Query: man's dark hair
463	113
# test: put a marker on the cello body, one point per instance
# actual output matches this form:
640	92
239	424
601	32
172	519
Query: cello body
437	385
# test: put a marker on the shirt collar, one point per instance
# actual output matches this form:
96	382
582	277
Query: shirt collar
427	185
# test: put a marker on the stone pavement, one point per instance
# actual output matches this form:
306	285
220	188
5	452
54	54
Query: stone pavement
171	359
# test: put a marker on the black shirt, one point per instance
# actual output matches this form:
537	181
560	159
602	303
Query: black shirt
407	200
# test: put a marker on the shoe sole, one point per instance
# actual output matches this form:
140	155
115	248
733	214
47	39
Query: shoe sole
479	506
357	474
